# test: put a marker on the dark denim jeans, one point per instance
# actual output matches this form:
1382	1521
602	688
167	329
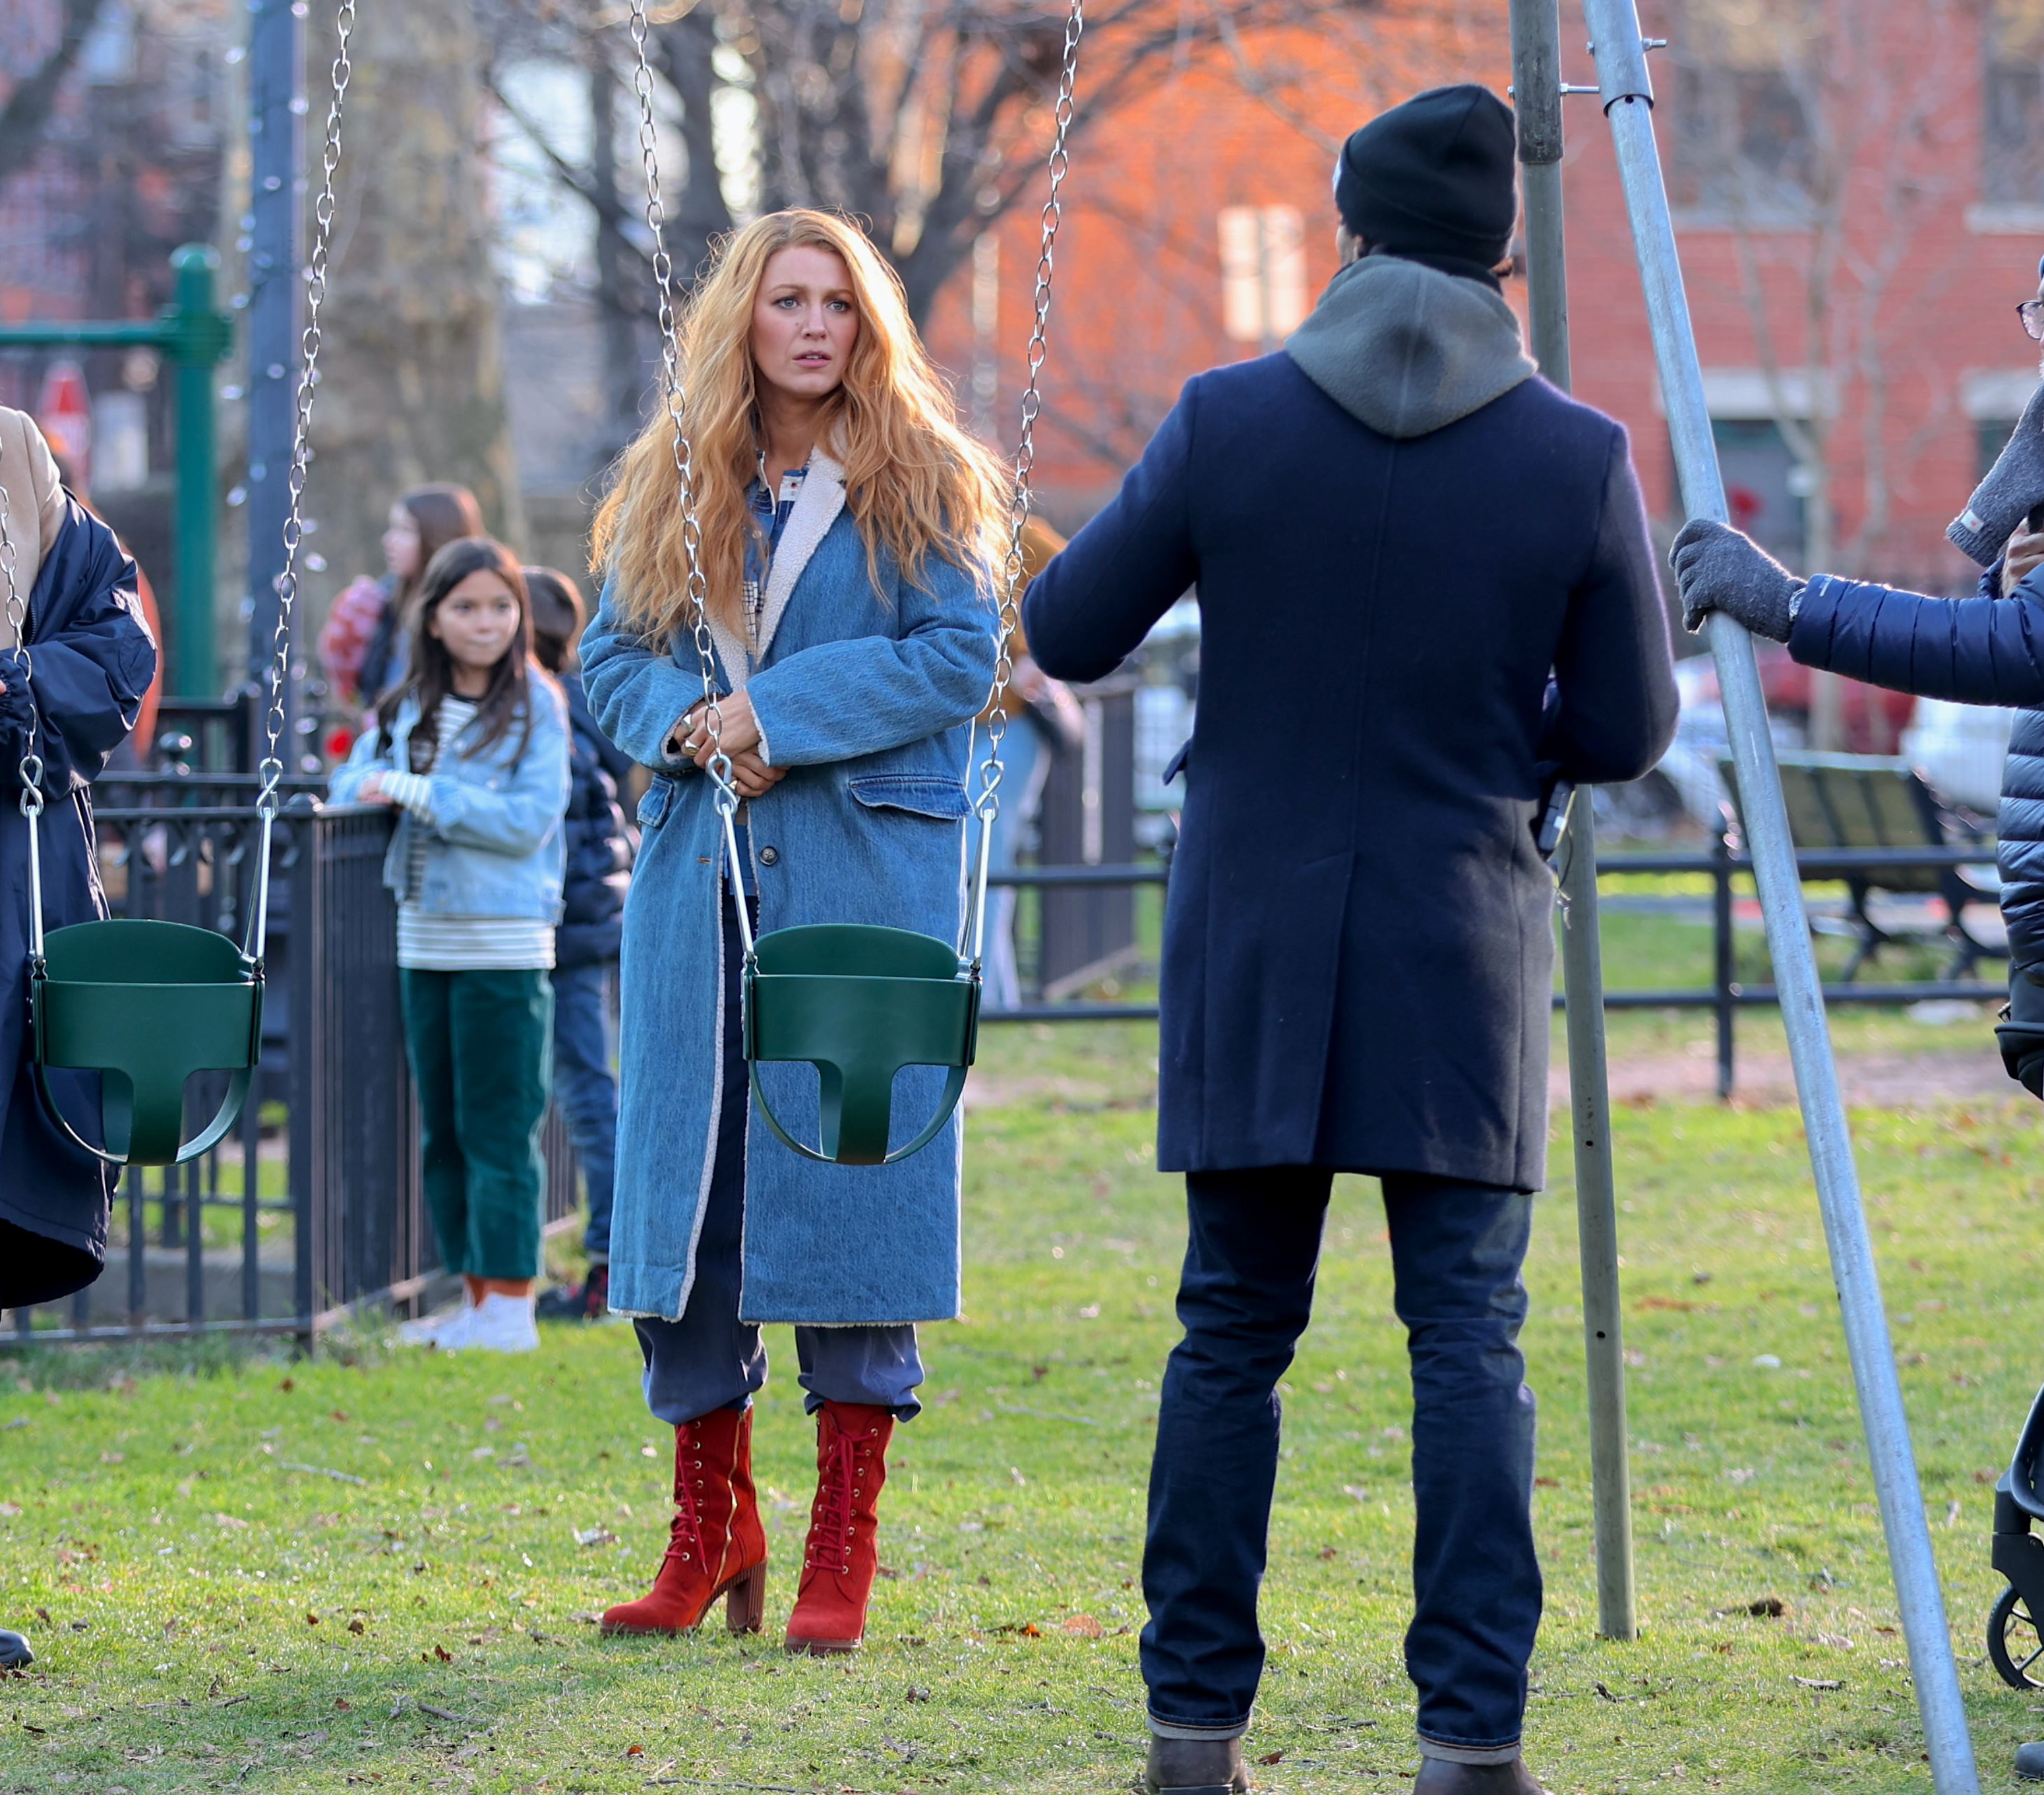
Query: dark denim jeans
1245	1298
585	1088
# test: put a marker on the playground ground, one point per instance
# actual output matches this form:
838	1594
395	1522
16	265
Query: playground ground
370	1570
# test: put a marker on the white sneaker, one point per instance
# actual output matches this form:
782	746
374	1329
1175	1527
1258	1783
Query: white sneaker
431	1330
498	1324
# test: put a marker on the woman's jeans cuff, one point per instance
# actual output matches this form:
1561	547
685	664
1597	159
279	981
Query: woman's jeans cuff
1176	1729
1468	1754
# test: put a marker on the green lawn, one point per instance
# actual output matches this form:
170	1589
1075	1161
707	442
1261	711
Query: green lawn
223	1611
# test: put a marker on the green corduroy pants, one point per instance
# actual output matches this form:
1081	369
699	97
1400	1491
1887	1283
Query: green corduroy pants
481	1045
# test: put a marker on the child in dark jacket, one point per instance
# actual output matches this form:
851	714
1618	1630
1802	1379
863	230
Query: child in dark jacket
599	847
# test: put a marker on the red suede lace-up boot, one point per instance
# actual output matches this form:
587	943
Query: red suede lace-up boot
841	1557
716	1546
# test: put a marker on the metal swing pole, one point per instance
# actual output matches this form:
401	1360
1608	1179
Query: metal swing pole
1627	96
1536	74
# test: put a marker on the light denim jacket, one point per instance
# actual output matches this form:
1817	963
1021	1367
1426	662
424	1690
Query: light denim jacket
866	695
494	844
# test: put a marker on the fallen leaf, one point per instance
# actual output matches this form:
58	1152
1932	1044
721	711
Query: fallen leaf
1604	1691
229	1520
312	1620
10	1510
113	1458
1270	1758
1772	1606
287	1386
1817	1682
1546	1483
356	1626
345	1705
916	1694
1084	1626
634	1750
442	1654
337	1415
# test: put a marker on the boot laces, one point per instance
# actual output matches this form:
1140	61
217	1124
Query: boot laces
831	1520
685	1536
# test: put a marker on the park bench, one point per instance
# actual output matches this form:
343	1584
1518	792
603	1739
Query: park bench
1842	802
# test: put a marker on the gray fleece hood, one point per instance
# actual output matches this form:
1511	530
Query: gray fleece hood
1407	349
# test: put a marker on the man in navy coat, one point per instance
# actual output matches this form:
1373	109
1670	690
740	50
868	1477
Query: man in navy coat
1426	593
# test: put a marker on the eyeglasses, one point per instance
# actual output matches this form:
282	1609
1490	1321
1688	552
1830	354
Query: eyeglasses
2031	313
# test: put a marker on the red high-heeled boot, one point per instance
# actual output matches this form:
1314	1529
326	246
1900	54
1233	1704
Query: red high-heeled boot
842	1556
716	1545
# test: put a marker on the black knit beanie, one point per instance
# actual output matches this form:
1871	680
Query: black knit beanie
1432	180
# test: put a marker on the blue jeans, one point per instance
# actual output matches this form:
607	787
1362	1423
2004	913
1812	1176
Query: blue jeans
1244	1299
710	1359
586	1089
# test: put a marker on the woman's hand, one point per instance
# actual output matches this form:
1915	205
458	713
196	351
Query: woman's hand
752	777
738	731
2025	552
371	792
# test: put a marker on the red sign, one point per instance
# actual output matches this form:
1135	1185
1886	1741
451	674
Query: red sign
65	414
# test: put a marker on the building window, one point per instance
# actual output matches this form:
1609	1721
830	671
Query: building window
1763	484
1262	273
2012	91
1991	436
1744	146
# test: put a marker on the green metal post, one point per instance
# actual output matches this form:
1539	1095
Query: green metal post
195	339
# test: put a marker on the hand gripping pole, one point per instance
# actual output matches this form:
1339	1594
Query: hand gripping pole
1628	100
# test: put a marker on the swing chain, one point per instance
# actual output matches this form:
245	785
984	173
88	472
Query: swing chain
988	806
272	768
18	619
720	768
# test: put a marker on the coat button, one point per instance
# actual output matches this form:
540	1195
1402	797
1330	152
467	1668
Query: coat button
770	857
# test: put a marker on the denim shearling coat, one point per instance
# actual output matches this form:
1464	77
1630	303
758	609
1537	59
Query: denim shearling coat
866	695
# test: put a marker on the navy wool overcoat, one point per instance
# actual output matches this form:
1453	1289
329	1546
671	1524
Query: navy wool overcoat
94	660
1359	947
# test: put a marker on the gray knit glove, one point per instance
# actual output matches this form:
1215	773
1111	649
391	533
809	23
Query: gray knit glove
2013	486
1721	568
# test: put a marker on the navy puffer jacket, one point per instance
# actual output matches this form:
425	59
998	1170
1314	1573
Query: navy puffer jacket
1986	650
599	841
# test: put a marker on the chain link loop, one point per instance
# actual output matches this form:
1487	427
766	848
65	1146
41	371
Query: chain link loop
272	769
720	768
987	805
18	617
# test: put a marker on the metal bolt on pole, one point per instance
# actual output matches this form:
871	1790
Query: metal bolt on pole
1628	101
1536	75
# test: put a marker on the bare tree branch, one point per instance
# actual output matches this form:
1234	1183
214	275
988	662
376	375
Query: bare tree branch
28	108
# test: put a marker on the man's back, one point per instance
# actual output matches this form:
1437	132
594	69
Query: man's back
1358	954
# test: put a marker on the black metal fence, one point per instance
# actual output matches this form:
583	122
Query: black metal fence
1725	994
313	1207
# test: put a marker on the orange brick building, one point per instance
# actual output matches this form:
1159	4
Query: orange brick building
1859	187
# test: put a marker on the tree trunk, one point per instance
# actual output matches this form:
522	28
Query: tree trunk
411	375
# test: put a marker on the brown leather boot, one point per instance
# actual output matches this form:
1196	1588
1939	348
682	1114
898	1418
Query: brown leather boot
717	1544
1195	1767
841	1557
1438	1776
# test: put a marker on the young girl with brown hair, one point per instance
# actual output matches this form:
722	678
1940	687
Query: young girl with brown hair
472	750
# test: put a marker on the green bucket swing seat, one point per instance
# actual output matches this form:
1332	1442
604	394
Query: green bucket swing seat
859	1003
146	1004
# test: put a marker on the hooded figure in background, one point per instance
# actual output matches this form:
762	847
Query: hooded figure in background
1425	594
93	660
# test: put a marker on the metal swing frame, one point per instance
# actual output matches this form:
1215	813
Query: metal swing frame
1626	94
857	1002
79	1022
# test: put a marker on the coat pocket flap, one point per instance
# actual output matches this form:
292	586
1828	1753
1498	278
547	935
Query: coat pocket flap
943	799
1177	764
653	806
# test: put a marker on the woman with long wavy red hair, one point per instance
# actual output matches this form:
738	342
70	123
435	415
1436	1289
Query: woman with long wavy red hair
846	520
